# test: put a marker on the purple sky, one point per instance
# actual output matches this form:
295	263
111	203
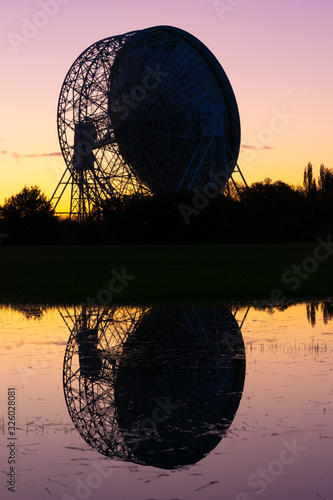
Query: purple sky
277	55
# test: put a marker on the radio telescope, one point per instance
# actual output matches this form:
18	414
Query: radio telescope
154	386
142	112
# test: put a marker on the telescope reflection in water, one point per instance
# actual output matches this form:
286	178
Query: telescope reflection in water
153	386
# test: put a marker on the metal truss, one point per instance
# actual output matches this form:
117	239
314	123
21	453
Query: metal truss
147	111
120	361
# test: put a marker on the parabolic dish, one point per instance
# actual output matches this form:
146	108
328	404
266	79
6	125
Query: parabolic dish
154	99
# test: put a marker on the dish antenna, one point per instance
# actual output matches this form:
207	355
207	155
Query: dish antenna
154	386
145	111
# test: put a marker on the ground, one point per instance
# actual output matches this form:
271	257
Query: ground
59	275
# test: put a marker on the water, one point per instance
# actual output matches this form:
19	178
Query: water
146	403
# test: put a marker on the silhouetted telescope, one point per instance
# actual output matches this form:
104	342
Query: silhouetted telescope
162	389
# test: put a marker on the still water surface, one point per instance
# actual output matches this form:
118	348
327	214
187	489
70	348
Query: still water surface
154	403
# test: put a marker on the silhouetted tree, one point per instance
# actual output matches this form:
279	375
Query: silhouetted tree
309	182
327	310
28	217
325	181
266	211
30	311
311	312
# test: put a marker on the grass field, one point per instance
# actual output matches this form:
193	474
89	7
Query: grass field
60	275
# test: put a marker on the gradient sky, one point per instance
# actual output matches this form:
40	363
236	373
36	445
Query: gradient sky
276	53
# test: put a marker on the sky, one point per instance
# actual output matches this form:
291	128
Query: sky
277	55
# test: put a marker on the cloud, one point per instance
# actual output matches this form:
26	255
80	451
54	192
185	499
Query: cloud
38	155
18	156
256	148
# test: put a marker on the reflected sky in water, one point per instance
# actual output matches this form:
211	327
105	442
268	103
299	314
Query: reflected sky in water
154	387
156	403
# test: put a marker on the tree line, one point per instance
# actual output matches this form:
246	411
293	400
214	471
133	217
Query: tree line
266	211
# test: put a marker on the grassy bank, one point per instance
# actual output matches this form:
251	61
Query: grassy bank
198	273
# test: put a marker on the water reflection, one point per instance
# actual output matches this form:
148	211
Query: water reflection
153	386
312	309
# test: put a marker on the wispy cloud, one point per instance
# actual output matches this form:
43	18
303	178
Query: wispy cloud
18	156
41	154
256	148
